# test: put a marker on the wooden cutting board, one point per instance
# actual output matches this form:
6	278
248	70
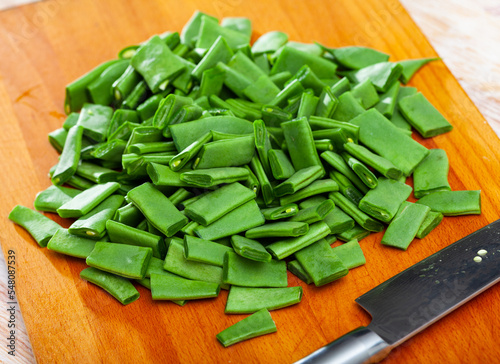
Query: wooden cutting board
46	45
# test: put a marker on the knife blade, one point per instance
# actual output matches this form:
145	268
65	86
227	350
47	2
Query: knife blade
412	300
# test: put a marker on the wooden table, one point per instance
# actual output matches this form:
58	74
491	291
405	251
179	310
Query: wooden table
46	45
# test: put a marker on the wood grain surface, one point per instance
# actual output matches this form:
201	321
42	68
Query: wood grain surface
46	45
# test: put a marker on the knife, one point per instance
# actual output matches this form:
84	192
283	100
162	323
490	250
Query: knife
417	297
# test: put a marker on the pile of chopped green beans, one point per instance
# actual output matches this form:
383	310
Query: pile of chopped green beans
198	162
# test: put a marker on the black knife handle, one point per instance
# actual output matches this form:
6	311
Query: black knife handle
359	346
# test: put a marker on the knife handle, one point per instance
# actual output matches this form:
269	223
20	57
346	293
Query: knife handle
359	346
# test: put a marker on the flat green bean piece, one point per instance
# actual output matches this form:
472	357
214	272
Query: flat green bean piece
281	167
411	66
120	288
68	162
99	89
346	187
361	170
432	220
337	162
285	247
124	234
300	179
76	91
323	145
214	176
187	154
163	176
352	210
95	120
124	85
350	130
357	232
383	202
278	229
356	57
250	249
382	75
252	181
280	212
366	93
93	224
96	173
173	288
65	243
204	251
127	261
259	323
296	269
168	108
212	81
71	120
186	133
397	118
373	160
148	107
218	203
176	263
226	153
348	108
315	188
423	116
156	266
262	144
191	30
152	147
84	202
312	201
300	144
180	195
189	228
54	197
157	208
156	63
242	218
210	30
431	175
241	24
315	213
379	134
337	137
308	79
291	60
350	254
453	203
321	263
40	227
218	52
265	185
119	118
327	103
249	300
57	139
308	105
79	182
269	42
338	221
404	227
388	100
139	94
244	272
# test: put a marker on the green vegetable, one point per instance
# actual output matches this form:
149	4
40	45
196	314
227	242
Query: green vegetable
260	323
249	300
